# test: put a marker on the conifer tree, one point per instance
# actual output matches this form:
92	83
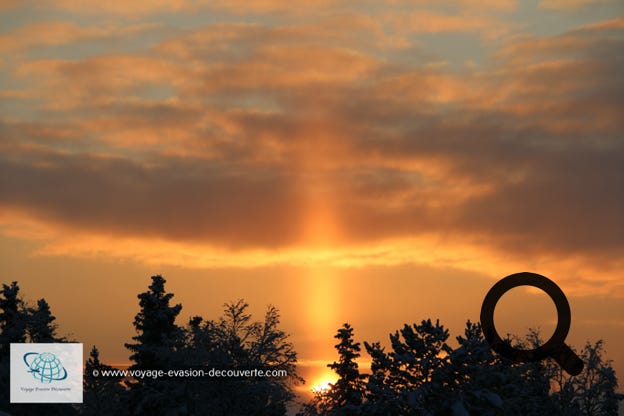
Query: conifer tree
158	341
102	390
19	324
344	397
157	334
408	379
41	327
13	319
346	394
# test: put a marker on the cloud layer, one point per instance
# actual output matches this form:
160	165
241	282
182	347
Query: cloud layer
347	131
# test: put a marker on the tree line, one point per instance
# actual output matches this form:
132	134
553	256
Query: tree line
418	374
233	341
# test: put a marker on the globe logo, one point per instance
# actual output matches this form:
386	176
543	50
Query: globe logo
45	367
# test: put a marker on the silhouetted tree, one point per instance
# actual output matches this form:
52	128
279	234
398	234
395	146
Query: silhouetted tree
41	327
235	342
158	335
102	393
407	380
421	375
201	350
527	391
474	375
157	341
489	384
345	396
591	393
270	350
19	324
597	384
13	320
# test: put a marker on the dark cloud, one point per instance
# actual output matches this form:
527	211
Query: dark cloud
526	155
180	200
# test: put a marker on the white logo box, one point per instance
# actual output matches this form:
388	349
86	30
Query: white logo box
46	373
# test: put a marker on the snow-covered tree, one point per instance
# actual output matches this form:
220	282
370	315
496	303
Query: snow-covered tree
236	342
488	384
158	340
408	379
13	318
270	349
20	323
102	394
346	394
474	375
158	335
591	393
420	374
40	326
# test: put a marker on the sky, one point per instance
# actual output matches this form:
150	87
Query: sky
370	162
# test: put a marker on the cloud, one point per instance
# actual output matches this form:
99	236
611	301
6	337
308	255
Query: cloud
118	7
255	142
169	200
140	8
570	5
98	81
54	33
9	4
424	21
463	4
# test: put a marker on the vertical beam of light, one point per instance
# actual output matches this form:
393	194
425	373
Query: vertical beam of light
320	283
321	287
320	231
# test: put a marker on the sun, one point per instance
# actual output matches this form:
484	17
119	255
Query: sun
323	385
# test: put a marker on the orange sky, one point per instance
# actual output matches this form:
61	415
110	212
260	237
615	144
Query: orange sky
370	162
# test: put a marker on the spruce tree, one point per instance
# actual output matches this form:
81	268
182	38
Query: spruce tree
13	319
157	334
102	392
19	324
345	395
158	341
41	327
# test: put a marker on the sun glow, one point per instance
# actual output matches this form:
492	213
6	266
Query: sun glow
324	383
322	387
